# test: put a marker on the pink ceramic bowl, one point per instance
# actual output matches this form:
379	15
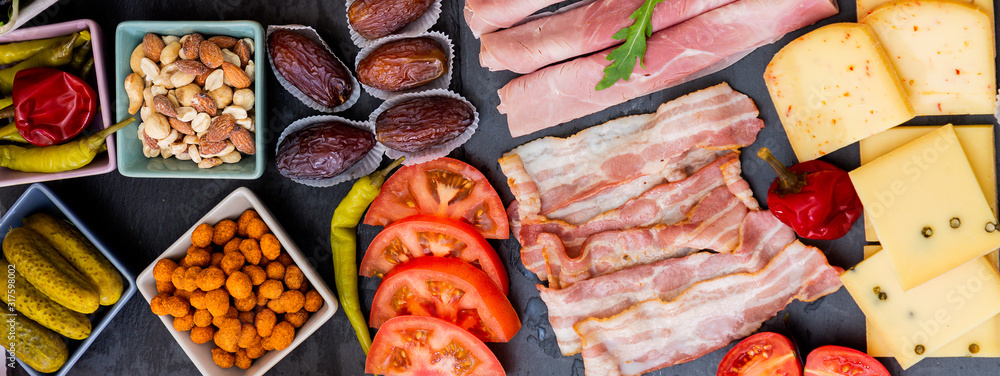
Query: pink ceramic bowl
105	162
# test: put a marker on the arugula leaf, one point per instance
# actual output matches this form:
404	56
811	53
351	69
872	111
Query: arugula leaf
623	58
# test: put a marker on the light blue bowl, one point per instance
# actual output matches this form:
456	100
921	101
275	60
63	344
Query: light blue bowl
38	198
131	161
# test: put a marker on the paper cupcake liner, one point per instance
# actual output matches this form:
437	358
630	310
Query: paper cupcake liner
368	164
434	152
419	25
311	33
442	82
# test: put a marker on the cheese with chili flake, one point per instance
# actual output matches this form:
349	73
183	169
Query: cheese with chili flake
833	87
943	52
866	6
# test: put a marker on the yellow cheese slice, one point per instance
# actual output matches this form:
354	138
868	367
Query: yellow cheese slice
943	52
833	87
976	141
865	6
918	322
927	208
982	341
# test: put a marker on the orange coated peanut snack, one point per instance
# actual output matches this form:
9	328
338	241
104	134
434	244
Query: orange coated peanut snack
237	288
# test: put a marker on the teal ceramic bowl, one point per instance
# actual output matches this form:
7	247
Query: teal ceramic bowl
131	161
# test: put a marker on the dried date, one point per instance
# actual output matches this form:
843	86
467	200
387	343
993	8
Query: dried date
310	68
403	64
422	123
378	18
322	151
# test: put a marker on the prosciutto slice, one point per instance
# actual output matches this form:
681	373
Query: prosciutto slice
563	92
484	16
527	47
707	316
761	237
598	169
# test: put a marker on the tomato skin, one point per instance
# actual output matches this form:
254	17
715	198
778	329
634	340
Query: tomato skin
780	360
420	188
478	251
423	287
396	335
830	361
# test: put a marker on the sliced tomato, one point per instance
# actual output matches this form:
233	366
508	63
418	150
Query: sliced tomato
837	360
762	354
443	187
450	290
418	346
427	235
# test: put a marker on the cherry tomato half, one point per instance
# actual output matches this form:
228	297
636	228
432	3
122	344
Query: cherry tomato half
427	235
762	354
450	290
444	187
837	360
417	345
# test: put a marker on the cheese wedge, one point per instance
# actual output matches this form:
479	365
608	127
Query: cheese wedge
927	207
921	321
982	341
977	143
943	52
833	87
866	6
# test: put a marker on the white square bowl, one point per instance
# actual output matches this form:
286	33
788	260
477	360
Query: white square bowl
230	208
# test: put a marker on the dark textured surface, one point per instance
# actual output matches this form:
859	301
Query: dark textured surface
139	218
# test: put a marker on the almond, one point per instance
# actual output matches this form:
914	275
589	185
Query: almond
181	126
201	79
191	67
220	129
235	75
223	41
243	51
191	46
163	105
210	54
149	141
204	103
243	140
209	148
152	46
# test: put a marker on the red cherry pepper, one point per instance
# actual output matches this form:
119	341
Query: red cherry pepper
51	106
815	198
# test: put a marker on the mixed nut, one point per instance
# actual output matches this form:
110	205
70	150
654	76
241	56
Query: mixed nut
194	96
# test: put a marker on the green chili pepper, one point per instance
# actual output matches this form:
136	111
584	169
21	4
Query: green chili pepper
58	54
343	242
86	68
80	56
57	158
14	52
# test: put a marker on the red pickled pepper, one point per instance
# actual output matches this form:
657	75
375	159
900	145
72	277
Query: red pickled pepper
815	198
51	106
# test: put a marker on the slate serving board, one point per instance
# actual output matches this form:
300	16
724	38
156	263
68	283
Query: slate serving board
139	218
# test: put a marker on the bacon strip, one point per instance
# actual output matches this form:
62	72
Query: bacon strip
589	28
563	92
598	169
660	333
712	224
761	237
665	204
